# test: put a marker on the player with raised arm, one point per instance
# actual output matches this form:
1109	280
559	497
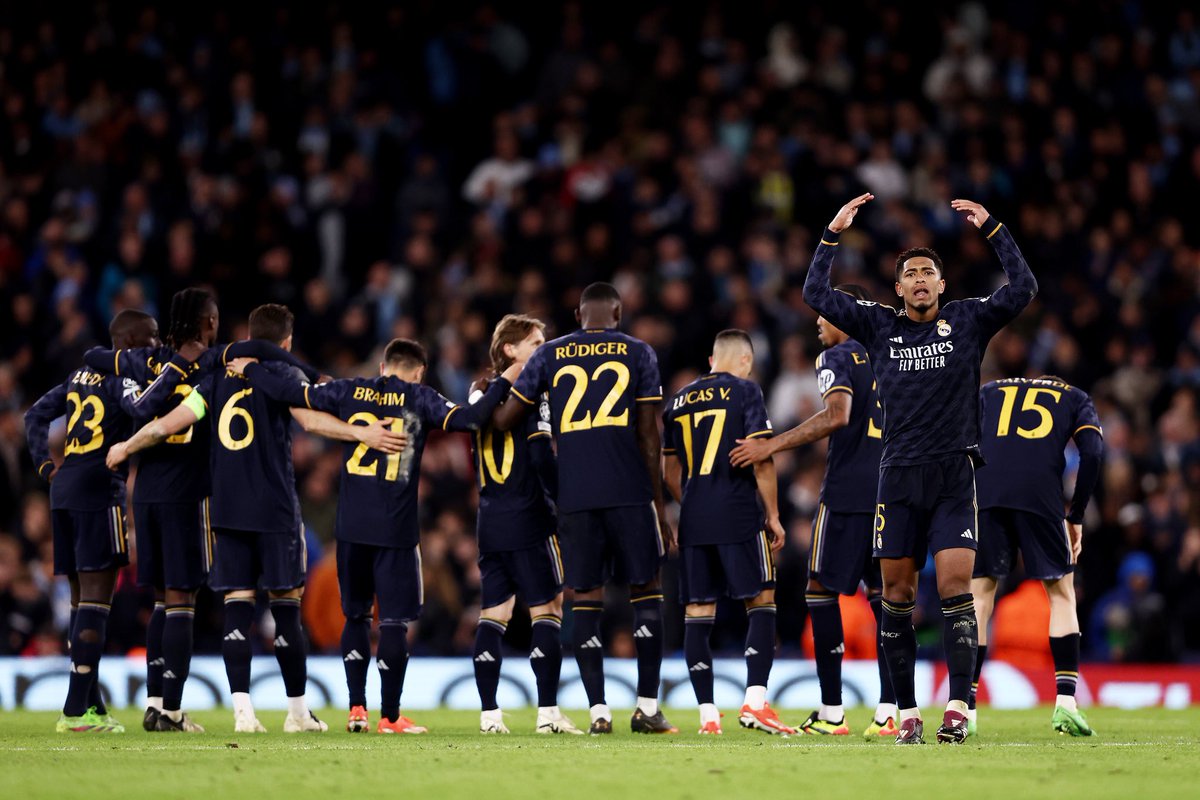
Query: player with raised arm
1026	426
378	531
87	504
926	358
171	497
255	514
726	538
518	545
604	392
840	552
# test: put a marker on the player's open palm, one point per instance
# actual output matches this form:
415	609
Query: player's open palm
846	214
976	214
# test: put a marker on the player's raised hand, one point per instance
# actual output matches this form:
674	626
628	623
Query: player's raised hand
776	534
1076	539
845	215
976	214
117	454
750	452
239	365
385	435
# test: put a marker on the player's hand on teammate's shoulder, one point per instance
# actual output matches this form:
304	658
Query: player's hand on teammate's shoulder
480	385
192	350
845	215
749	452
513	372
116	456
379	435
239	365
976	214
776	534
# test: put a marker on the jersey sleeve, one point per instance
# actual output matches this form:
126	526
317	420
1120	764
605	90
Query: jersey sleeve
649	382
538	425
1086	418
1006	303
125	392
267	351
859	318
754	413
50	406
670	438
137	363
534	378
450	416
327	396
834	373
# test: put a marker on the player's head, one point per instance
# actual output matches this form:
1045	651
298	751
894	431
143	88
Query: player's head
733	352
919	278
194	318
131	328
514	340
405	359
827	332
599	306
273	323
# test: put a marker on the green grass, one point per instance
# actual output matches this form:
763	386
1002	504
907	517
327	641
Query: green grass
1017	757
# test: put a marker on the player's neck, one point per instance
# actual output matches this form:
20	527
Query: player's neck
593	325
928	315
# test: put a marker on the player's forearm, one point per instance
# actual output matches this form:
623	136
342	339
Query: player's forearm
818	426
818	291
673	477
472	417
49	406
153	400
768	487
320	423
506	415
149	435
651	449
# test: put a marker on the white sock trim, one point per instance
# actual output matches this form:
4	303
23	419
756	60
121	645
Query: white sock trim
648	705
885	710
298	707
709	713
756	697
242	704
831	713
957	705
155	703
910	713
1066	701
600	711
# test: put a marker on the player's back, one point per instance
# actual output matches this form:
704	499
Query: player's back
852	461
595	379
702	424
1026	426
253	483
513	510
95	421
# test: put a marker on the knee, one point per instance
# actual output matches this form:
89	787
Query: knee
246	595
764	598
503	612
551	609
901	592
1061	591
646	588
953	586
288	594
700	610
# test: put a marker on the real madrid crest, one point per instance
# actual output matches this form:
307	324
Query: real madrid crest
943	328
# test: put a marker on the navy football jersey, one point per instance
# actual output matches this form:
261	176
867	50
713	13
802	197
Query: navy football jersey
701	425
595	379
1026	427
98	409
377	499
927	372
514	512
852	461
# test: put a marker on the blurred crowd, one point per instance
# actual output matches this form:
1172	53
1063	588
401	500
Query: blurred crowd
421	169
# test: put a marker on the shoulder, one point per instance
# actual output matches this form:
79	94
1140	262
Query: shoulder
749	388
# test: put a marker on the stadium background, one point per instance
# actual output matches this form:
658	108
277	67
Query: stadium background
422	169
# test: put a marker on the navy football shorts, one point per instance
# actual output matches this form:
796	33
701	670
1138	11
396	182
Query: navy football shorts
926	508
391	574
621	544
89	541
534	574
840	556
275	562
1043	542
740	570
174	544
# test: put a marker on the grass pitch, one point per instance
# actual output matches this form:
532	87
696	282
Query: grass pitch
1016	757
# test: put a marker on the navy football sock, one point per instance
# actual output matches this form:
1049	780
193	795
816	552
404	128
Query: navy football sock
545	657
589	650
760	644
235	646
1065	650
356	657
960	637
489	637
392	660
95	697
828	644
648	640
886	694
154	651
87	645
899	642
697	652
980	656
177	653
290	646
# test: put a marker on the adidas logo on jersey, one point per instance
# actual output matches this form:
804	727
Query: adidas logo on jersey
280	641
235	636
537	653
592	643
353	655
485	657
699	667
897	339
967	534
643	633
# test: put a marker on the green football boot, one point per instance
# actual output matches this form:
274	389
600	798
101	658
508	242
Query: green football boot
1070	722
89	722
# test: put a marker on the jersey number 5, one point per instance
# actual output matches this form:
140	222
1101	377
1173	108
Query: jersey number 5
1029	404
604	416
355	466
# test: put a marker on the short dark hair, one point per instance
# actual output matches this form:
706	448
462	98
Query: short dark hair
1052	379
126	319
513	329
600	291
271	322
732	335
854	290
187	307
405	353
918	252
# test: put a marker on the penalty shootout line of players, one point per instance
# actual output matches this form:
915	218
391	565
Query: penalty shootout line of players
587	512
